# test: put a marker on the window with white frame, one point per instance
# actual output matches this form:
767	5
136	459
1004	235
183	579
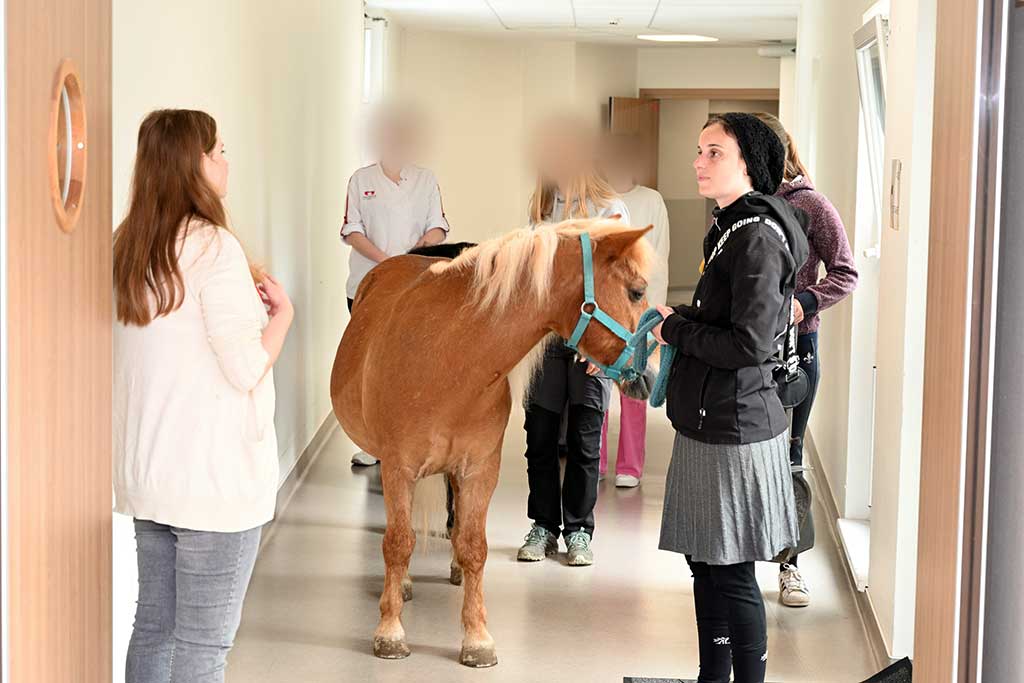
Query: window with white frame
870	42
374	70
374	56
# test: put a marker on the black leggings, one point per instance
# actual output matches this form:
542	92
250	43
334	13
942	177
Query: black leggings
731	627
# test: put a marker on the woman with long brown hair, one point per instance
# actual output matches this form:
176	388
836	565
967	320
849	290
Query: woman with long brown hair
195	453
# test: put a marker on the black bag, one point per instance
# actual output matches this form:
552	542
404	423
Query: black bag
791	382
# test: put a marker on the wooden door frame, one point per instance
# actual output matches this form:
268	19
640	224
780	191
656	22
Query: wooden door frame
959	339
744	94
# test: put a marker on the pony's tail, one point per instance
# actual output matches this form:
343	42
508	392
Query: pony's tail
429	510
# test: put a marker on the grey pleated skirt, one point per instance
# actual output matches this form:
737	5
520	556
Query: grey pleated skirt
726	504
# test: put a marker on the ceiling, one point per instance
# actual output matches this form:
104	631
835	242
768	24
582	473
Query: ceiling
607	21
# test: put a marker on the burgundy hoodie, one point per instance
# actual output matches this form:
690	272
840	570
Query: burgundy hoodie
829	245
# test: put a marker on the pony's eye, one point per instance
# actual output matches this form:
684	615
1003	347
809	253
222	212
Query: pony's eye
636	295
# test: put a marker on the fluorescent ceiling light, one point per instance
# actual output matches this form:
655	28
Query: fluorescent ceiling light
677	38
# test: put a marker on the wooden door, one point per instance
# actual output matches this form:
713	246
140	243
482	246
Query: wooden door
638	116
59	334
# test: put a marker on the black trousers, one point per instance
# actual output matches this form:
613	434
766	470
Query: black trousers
807	349
731	628
566	506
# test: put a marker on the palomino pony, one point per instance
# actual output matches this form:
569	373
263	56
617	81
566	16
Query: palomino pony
432	359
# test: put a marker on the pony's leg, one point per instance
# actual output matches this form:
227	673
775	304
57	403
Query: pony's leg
455	577
399	540
471	552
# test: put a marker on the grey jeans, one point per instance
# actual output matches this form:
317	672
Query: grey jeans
191	588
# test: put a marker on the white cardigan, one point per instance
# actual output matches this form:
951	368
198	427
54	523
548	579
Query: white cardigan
193	414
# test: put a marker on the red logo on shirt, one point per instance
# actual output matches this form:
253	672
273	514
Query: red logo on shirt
369	194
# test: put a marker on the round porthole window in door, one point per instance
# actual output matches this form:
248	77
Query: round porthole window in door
67	146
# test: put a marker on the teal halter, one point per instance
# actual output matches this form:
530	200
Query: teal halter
590	310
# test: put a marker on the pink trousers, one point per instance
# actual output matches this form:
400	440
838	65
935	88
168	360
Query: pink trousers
632	438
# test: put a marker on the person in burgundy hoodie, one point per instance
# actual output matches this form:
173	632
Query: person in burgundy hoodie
829	245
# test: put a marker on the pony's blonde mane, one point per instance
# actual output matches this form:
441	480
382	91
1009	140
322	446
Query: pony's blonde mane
521	263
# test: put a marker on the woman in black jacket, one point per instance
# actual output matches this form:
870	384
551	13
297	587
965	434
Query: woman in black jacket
729	492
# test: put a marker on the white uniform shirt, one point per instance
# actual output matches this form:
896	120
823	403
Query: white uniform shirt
614	206
394	216
646	207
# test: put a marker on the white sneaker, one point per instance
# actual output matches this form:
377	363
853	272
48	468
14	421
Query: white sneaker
792	588
626	481
365	459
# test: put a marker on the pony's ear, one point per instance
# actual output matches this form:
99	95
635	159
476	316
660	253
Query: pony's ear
614	244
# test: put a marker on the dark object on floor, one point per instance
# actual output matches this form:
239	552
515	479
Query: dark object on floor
802	493
633	679
443	250
900	672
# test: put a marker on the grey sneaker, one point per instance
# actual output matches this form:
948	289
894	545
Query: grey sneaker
539	544
578	544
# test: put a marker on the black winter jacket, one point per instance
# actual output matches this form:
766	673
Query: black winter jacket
721	388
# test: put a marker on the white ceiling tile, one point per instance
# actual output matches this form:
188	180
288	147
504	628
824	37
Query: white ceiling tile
464	14
521	13
731	21
634	15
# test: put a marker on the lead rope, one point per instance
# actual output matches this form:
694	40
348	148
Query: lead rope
648	321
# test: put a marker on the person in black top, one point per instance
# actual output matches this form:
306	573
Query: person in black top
729	492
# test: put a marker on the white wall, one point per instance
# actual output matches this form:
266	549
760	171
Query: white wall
486	93
393	55
826	129
284	88
472	90
549	69
483	96
787	91
705	67
603	72
901	323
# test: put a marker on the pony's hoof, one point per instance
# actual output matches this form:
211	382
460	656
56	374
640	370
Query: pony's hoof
407	591
390	649
456	576
478	657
